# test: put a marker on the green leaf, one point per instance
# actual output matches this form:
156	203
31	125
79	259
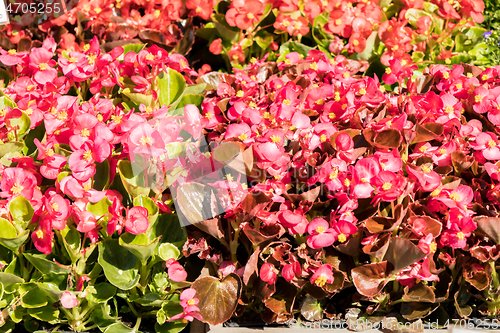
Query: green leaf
475	32
8	327
21	210
168	251
7	230
35	298
45	313
136	48
293	47
101	177
146	202
103	292
8	147
51	289
43	265
71	241
150	299
225	30
36	133
14	243
139	99
120	327
7	279
139	245
6	101
21	124
171	85
195	99
119	264
206	33
170	230
100	208
264	42
102	317
170	327
133	183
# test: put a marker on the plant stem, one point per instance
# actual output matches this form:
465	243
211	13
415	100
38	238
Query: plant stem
137	324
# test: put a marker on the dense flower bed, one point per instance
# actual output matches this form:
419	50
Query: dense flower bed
77	250
140	193
378	31
357	198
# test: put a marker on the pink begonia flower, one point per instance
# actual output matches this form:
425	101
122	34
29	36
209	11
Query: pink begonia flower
42	237
194	121
290	271
189	308
364	170
296	222
344	229
17	181
41	64
146	141
321	235
176	272
461	197
240	131
428	179
137	220
322	276
268	273
421	271
459	228
68	300
487	143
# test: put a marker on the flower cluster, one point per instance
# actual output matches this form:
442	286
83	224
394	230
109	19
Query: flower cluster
68	126
416	31
351	187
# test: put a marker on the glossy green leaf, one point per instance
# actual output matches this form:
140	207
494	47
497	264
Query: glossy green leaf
169	229
120	266
150	299
21	124
139	245
21	210
293	47
7	230
139	99
44	265
100	208
51	289
171	85
35	133
147	203
168	251
133	183
9	147
7	279
225	30
136	48
103	292
102	316
170	327
35	298
101	177
120	327
45	313
71	241
195	99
